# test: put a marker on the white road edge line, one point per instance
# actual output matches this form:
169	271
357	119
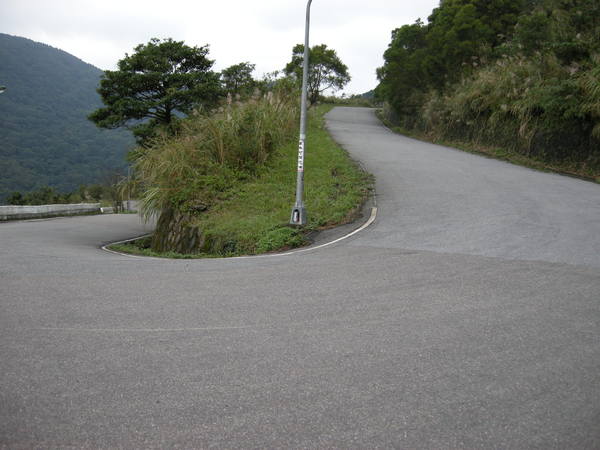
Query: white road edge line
372	218
145	330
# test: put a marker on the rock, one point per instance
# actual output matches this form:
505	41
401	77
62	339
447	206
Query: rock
175	232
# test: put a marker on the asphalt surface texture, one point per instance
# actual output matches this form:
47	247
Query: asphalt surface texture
466	316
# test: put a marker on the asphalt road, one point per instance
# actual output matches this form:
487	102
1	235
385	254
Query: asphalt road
466	316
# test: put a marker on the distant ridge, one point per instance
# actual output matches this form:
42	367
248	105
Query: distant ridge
45	137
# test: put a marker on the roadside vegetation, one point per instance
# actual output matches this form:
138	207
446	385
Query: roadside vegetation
250	214
107	194
366	100
257	217
515	79
217	153
327	71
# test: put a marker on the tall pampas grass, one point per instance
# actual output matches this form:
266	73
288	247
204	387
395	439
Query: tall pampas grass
211	153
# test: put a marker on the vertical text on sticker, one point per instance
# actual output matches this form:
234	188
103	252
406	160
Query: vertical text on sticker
301	156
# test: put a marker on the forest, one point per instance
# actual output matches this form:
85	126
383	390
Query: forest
45	137
523	75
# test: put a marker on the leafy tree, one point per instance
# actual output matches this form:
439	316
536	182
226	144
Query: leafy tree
532	32
404	71
460	36
96	192
459	31
16	198
237	79
152	85
326	70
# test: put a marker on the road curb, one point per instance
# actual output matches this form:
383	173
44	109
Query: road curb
337	234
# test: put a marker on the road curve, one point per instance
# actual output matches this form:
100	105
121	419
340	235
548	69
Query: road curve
467	316
443	200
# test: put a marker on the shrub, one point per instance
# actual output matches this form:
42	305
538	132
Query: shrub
533	105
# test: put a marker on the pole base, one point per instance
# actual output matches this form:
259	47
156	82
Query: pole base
298	216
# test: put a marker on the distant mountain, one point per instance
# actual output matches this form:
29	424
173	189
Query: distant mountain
369	95
45	137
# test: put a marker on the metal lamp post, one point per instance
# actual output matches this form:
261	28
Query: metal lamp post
299	212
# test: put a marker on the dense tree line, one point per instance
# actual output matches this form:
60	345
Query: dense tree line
47	195
522	74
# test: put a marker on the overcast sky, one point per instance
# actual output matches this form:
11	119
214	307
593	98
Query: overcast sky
262	32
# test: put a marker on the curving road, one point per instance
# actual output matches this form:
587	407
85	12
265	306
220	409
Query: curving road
466	316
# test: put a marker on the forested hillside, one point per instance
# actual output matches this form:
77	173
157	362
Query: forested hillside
520	74
45	136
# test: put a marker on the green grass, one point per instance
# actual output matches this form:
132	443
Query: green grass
254	218
141	247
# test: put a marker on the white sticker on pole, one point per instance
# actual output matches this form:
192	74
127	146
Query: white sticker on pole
301	156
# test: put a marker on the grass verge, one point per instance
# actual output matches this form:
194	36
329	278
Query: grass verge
141	247
254	218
